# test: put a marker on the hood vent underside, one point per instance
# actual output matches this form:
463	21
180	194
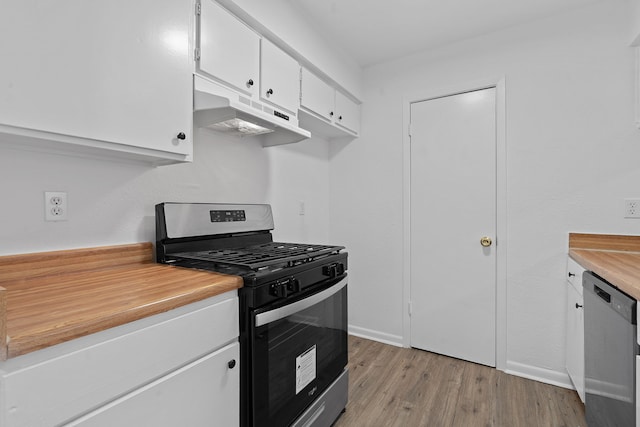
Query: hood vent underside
223	110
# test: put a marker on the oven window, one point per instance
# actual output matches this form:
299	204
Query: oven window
297	357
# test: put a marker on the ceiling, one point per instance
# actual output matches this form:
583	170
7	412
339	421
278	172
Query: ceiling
374	31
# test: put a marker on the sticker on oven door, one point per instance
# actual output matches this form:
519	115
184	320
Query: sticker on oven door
305	369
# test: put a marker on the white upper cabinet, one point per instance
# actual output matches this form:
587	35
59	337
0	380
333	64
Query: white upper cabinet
325	110
347	113
317	96
233	54
229	50
280	78
112	75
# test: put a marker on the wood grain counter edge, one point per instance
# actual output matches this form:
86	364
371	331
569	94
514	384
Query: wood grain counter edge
35	313
615	258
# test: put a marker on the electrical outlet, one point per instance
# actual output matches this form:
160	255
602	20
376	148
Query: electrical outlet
55	206
632	208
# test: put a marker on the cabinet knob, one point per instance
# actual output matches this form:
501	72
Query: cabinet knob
250	83
339	117
571	274
270	92
181	136
331	114
232	363
578	305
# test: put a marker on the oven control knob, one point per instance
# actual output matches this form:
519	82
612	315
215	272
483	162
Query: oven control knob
329	270
279	289
333	270
293	285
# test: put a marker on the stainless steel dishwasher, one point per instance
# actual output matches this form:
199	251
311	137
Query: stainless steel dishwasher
610	344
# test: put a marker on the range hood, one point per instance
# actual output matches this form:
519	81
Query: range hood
218	108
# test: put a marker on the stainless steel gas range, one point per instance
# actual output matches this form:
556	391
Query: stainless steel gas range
293	308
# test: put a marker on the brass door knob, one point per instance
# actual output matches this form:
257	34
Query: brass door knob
486	241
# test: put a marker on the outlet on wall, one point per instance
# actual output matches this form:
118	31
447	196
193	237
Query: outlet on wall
55	206
632	208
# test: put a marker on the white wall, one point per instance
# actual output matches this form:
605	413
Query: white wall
634	34
113	202
572	156
298	175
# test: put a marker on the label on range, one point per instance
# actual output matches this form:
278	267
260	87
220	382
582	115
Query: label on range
305	368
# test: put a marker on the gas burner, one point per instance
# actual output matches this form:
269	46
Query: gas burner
270	254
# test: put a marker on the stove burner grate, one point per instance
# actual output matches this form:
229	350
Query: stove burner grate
263	255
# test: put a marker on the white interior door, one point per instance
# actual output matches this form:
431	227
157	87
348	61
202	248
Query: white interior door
453	206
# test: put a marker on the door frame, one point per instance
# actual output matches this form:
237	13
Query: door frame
501	205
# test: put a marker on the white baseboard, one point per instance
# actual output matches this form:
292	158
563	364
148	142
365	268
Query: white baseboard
395	340
547	376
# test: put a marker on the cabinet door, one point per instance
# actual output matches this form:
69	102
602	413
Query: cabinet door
575	339
116	71
203	393
229	50
316	95
574	274
280	78
347	113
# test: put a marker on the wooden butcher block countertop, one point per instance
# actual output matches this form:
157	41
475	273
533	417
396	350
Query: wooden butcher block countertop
52	297
615	258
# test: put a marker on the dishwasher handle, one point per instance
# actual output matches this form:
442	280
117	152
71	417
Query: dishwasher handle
602	294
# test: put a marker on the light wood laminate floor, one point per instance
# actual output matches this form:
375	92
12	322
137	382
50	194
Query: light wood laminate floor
403	387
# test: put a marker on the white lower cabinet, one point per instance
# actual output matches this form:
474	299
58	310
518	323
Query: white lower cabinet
178	368
575	327
575	340
203	393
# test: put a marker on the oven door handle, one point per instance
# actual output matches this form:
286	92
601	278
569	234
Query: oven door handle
288	310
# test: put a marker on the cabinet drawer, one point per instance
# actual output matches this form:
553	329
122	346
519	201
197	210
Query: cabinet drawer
203	393
574	274
56	389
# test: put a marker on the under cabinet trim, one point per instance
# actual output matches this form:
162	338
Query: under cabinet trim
55	143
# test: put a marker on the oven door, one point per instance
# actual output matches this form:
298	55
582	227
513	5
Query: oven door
299	349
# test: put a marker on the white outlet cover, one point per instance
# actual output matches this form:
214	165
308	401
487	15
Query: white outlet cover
55	206
632	208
